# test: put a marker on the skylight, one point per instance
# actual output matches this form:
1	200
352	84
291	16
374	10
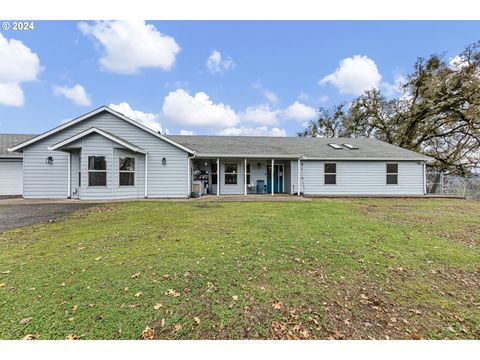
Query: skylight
335	146
350	146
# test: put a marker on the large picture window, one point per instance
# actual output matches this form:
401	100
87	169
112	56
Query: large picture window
392	174
126	171
230	173
97	171
330	173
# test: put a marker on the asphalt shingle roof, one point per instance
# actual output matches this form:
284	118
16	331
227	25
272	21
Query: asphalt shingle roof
9	140
295	147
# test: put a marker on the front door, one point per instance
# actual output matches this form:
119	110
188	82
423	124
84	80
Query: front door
277	178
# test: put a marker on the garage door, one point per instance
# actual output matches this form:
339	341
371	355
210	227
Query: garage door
11	177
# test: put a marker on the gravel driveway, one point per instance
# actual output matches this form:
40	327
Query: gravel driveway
17	215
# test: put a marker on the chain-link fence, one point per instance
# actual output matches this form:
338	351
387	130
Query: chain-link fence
440	184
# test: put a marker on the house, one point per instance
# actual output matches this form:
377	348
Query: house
105	155
11	165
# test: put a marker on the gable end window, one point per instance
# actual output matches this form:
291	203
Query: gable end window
126	171
231	173
330	173
97	171
392	174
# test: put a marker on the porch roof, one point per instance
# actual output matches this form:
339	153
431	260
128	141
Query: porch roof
294	148
106	134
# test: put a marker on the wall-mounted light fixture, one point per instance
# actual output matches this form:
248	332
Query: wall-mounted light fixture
164	161
49	160
259	165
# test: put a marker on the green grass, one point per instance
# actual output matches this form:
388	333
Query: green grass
341	268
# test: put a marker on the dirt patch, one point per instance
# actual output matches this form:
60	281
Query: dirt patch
207	206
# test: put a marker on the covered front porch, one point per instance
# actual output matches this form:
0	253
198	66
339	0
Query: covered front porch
241	176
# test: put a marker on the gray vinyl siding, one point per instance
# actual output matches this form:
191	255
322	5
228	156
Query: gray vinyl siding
361	178
294	177
50	181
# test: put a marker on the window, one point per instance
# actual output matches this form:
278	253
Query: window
392	174
126	171
330	173
248	174
230	173
97	171
214	173
335	146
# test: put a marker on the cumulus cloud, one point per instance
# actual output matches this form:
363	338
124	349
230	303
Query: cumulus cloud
197	110
457	62
149	120
186	132
75	93
132	45
253	131
354	75
217	64
18	64
260	114
271	97
300	112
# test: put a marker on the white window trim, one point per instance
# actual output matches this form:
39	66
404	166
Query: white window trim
325	173
89	171
128	171
391	173
229	173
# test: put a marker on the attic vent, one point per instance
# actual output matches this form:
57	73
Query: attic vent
335	146
350	146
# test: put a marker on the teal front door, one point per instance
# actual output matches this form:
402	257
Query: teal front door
277	178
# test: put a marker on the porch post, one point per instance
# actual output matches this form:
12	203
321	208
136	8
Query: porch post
69	175
271	173
218	177
298	177
245	177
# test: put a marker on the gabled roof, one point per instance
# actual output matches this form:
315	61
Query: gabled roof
103	133
20	146
295	147
8	140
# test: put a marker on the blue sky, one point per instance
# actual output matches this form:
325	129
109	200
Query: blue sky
263	78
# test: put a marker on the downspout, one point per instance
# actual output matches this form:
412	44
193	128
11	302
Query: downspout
146	175
189	188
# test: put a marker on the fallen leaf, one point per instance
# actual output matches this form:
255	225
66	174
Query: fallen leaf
133	306
415	336
177	328
157	306
81	248
126	289
166	276
71	319
62	284
277	305
30	336
173	293
235	297
5	272
25	321
197	320
138	294
98	258
70	337
136	275
2	284
75	307
148	333
364	297
162	323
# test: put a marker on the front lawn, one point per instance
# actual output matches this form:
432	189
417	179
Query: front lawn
327	268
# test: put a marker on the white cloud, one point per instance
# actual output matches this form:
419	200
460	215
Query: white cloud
150	120
18	64
260	114
75	93
354	75
457	62
300	112
132	45
250	131
217	64
197	110
271	97
186	132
